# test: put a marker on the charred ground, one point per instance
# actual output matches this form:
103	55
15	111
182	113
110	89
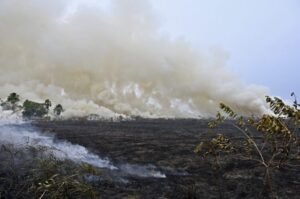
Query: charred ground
169	145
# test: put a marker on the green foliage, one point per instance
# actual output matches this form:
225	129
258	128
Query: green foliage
34	109
215	147
11	102
30	108
278	131
13	98
47	104
58	109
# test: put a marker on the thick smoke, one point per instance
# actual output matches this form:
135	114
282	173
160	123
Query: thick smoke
111	60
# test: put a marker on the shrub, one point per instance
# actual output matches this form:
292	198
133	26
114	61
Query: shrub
276	148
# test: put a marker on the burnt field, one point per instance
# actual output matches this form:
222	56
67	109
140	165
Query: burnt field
168	146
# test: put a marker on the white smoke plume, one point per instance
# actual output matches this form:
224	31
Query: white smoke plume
14	131
111	60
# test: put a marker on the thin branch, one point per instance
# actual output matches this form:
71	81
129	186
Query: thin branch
42	195
254	144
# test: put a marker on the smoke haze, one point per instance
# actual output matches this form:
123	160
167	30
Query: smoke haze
111	60
21	135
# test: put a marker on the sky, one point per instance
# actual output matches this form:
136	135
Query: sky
260	37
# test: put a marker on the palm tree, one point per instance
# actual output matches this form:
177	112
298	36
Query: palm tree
47	104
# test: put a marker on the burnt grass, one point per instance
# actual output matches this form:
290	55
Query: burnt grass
169	145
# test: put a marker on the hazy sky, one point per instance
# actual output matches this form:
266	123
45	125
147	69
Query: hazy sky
261	37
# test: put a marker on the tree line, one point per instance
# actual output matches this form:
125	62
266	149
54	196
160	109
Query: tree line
30	108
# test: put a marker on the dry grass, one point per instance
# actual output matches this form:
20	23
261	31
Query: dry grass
29	173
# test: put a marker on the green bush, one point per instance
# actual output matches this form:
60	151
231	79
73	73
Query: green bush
34	109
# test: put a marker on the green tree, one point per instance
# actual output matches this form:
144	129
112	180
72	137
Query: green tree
13	98
58	109
11	102
34	109
48	104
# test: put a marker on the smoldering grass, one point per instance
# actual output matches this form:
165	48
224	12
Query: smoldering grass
25	173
